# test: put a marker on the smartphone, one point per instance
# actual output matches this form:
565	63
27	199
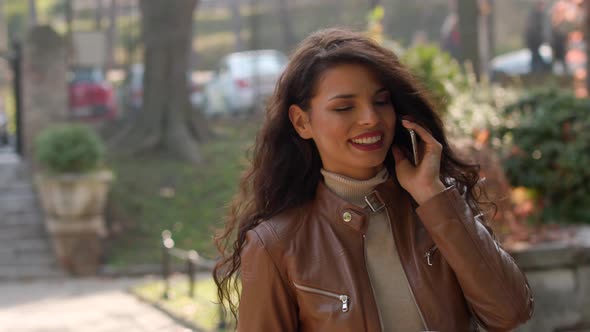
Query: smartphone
414	142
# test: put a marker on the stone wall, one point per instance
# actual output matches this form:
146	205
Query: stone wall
44	83
559	275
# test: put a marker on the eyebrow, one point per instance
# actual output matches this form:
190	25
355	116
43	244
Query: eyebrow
348	96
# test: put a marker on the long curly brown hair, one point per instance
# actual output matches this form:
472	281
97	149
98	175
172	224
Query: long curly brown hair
285	169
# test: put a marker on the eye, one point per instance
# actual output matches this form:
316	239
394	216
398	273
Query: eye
343	108
382	99
383	102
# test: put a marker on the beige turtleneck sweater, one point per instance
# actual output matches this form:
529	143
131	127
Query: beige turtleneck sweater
397	308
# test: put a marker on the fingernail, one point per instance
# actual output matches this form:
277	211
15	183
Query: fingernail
406	121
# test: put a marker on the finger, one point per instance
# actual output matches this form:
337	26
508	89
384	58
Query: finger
401	162
425	136
398	155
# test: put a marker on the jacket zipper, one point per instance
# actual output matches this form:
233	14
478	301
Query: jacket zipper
429	254
405	274
345	299
371	282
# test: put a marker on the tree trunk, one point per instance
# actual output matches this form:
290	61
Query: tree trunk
587	39
468	29
166	121
373	4
236	19
69	11
491	21
98	14
3	30
111	34
288	35
32	12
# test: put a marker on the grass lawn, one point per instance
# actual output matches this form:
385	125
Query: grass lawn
200	311
153	193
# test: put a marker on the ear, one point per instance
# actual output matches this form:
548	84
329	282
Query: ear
300	121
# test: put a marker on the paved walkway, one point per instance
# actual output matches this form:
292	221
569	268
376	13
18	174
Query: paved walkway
79	305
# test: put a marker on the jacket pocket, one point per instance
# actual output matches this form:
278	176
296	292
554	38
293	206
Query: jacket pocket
344	299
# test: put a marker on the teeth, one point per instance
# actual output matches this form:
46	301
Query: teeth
367	140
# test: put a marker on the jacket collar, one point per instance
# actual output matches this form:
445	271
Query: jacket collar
340	211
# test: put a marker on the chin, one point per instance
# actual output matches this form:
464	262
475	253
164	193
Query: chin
372	164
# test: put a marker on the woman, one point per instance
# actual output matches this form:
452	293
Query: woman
337	230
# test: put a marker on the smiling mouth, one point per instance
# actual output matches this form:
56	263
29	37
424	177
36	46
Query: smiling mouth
367	140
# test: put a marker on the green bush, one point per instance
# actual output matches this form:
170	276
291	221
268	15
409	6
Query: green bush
466	106
477	108
546	148
69	149
440	74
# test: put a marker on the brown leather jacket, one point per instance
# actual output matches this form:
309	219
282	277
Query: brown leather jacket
304	270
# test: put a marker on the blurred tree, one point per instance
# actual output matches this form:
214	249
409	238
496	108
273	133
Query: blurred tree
111	34
468	13
374	25
166	122
587	39
374	3
3	29
98	14
236	18
285	18
69	14
32	12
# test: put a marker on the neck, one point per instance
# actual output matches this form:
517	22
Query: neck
351	189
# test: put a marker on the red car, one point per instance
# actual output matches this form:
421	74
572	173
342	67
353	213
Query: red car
92	98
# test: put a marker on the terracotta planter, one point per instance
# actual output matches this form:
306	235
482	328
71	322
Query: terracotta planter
74	216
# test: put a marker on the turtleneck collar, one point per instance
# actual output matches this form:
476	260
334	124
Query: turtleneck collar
350	189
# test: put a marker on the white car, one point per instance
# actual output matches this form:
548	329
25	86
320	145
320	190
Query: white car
242	80
518	62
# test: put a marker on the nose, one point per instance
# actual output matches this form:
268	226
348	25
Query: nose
368	116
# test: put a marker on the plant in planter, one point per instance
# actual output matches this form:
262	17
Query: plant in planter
73	188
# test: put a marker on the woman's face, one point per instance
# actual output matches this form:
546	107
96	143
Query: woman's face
351	121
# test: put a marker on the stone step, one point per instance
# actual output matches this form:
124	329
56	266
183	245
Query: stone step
18	187
20	246
12	170
23	232
27	258
19	203
20	218
11	272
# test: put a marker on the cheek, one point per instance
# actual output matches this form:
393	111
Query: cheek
389	120
330	129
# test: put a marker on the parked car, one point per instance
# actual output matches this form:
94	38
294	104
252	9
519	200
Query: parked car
242	80
133	89
518	62
92	97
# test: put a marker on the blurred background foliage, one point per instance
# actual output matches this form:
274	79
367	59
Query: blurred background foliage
545	146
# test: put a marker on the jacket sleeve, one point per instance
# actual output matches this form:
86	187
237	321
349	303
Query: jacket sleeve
495	288
265	303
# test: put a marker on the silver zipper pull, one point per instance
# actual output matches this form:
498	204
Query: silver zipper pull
429	254
428	259
344	300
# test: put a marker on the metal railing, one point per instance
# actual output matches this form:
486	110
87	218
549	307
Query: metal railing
193	261
190	257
